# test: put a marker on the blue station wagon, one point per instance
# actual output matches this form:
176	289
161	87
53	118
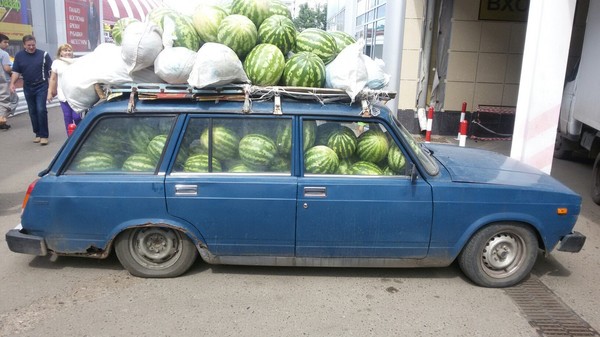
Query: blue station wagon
284	177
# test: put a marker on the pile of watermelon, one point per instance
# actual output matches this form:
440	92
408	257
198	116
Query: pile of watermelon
136	145
260	32
337	150
133	147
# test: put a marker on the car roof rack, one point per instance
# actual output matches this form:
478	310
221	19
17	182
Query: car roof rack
243	93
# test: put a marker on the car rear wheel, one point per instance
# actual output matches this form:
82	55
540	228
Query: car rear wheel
499	255
155	252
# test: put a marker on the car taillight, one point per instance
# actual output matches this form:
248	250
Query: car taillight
29	190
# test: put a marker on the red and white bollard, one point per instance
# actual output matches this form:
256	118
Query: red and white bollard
429	125
462	135
463	112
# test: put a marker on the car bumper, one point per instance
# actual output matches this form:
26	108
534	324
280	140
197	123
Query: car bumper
572	242
19	242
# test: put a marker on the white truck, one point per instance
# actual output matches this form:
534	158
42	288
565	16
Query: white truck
579	123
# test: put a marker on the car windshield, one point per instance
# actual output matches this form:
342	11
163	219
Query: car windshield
423	154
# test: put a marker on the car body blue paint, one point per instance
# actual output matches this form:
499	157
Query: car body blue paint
430	218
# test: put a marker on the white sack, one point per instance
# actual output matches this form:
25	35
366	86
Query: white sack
103	65
377	77
146	75
142	42
347	71
174	65
216	65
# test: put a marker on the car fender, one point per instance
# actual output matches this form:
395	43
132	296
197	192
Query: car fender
489	219
178	224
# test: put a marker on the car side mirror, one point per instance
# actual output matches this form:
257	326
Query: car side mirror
413	173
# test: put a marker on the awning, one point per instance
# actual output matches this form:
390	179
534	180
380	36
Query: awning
113	10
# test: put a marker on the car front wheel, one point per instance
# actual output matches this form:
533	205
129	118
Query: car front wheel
155	252
499	255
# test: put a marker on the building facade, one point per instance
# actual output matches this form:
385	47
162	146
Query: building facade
453	51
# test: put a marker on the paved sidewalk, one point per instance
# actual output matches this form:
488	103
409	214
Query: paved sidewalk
500	146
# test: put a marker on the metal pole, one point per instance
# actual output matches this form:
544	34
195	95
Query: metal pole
392	46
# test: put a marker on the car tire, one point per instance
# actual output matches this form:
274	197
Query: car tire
155	252
499	255
596	181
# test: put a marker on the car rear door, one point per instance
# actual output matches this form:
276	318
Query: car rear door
242	205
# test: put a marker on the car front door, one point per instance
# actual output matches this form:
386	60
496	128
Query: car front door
366	206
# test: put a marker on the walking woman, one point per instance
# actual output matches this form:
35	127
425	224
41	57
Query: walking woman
64	57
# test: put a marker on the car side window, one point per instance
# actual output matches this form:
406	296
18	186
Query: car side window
352	148
125	144
236	145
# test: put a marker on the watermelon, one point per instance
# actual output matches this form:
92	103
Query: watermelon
342	40
344	167
365	168
257	150
139	162
184	34
387	171
241	168
279	8
199	163
278	30
343	142
264	65
118	29
156	146
321	159
157	15
225	142
372	146
139	136
206	20
280	164
96	162
108	141
238	33
324	131
255	10
395	159
317	41
284	138
304	69
309	134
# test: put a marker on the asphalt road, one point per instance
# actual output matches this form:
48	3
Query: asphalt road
86	297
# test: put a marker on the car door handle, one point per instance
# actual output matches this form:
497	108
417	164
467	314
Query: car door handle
317	192
186	189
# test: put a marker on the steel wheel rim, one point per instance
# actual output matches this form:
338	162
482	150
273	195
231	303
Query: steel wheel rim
503	254
155	248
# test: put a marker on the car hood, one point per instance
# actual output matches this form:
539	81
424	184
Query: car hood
480	166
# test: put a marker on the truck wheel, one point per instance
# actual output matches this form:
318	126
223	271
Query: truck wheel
596	180
562	150
499	255
155	252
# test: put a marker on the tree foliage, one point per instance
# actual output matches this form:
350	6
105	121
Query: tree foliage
311	17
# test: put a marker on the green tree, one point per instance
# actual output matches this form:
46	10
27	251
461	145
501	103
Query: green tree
311	17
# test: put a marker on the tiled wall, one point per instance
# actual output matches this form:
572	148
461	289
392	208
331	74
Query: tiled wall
411	54
484	58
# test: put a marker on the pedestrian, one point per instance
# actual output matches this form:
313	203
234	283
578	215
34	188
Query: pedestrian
64	57
7	98
34	65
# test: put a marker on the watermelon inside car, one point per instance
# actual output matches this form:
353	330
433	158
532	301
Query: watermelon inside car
287	182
